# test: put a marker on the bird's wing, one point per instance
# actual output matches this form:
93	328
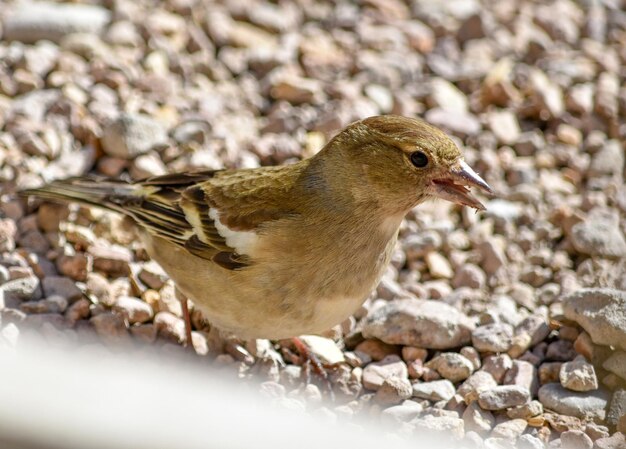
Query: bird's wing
160	210
227	211
212	214
175	207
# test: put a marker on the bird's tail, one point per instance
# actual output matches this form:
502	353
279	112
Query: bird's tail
99	192
152	203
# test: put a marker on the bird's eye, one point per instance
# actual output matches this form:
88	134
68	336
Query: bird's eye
419	159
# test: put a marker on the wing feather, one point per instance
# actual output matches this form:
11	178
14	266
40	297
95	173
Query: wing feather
179	212
183	207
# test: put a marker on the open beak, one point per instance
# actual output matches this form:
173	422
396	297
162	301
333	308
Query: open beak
456	185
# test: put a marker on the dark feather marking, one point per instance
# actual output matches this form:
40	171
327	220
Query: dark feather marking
166	195
229	261
166	214
179	179
148	219
198	248
195	194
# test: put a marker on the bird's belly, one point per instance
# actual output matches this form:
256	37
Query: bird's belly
259	313
265	302
331	311
253	311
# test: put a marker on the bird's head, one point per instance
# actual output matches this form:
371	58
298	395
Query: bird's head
402	161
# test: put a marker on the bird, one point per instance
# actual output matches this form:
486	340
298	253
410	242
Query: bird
280	251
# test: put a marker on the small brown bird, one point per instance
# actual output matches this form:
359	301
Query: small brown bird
276	252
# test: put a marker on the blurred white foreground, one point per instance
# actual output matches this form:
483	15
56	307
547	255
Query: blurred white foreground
87	398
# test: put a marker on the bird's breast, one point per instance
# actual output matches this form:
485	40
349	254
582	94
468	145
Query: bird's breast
318	283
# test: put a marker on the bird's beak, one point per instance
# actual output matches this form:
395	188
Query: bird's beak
455	186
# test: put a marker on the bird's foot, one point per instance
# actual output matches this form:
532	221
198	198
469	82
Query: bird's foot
312	362
188	344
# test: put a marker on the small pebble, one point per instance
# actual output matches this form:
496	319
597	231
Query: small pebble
503	396
393	391
588	404
578	375
495	337
576	439
375	373
437	390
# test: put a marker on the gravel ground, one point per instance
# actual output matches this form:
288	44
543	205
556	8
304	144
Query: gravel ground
499	327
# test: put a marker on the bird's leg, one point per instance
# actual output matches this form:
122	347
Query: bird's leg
186	317
315	363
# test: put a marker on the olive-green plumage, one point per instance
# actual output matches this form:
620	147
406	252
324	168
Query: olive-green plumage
279	251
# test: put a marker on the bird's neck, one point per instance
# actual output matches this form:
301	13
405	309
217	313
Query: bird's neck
349	188
347	201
